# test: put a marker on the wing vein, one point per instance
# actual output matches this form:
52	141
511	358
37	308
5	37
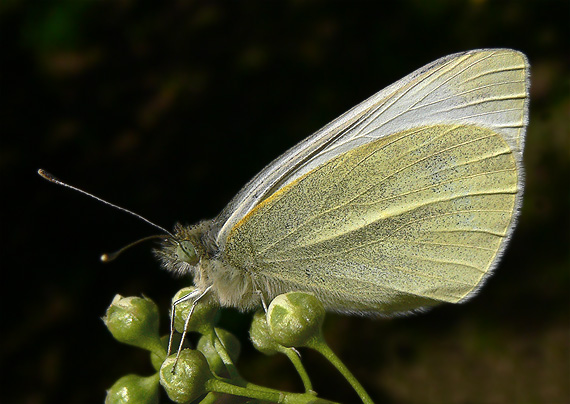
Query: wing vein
395	231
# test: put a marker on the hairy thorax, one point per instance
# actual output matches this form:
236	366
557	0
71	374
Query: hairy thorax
230	287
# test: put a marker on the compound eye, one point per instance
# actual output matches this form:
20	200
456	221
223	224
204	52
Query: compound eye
186	252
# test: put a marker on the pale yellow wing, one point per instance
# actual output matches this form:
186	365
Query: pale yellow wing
400	223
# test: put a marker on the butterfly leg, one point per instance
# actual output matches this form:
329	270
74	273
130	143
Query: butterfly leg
196	296
259	293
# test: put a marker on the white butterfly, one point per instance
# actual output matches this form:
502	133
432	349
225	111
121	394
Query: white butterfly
405	201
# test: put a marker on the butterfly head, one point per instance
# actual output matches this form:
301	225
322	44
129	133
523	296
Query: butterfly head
181	253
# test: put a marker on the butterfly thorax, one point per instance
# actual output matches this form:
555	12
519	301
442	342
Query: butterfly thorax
193	251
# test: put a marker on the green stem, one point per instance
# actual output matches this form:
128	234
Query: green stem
235	377
221	350
210	398
319	345
296	361
275	396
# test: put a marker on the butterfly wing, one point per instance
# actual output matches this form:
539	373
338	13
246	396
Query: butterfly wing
406	221
405	201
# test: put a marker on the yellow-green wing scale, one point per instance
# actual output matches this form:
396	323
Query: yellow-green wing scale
403	222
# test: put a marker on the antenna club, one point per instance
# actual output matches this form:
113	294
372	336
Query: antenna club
47	175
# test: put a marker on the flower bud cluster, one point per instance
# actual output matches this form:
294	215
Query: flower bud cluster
292	320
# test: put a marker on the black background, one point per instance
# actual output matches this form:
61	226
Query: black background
168	108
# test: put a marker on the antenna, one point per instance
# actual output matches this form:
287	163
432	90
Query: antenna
108	257
104	257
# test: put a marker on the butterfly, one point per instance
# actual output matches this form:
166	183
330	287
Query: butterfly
406	201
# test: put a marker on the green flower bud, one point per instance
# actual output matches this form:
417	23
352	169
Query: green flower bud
261	336
134	389
204	315
188	381
295	318
230	343
134	321
263	341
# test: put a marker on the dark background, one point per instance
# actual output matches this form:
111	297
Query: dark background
168	108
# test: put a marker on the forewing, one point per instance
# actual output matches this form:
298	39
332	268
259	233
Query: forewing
487	88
